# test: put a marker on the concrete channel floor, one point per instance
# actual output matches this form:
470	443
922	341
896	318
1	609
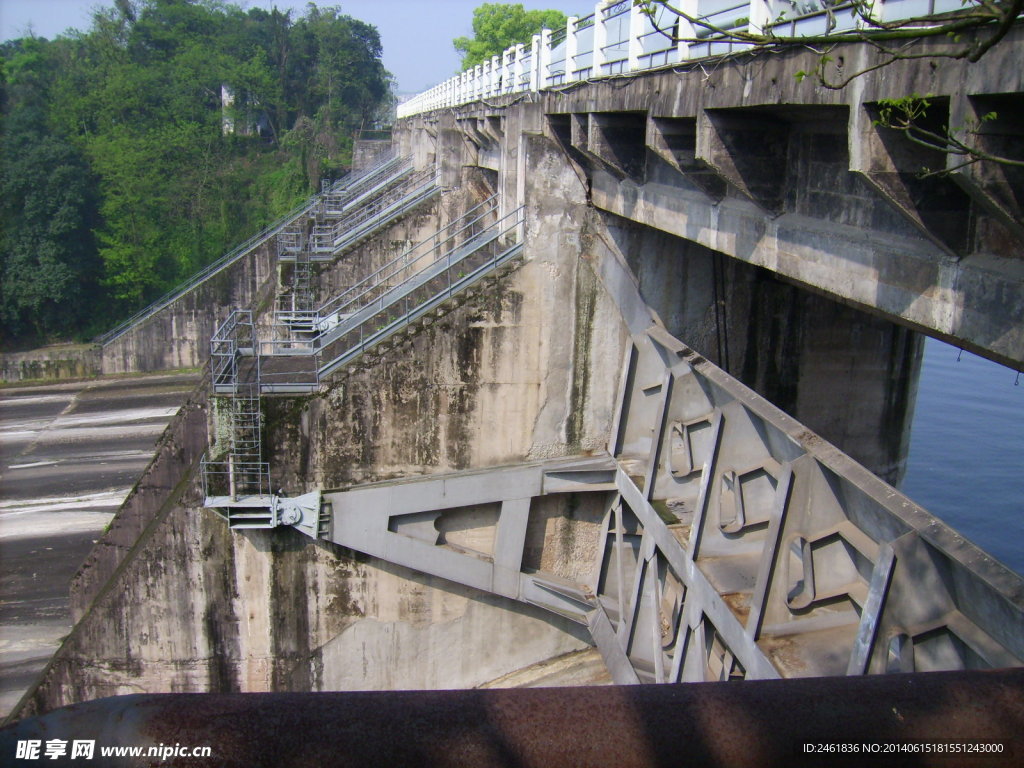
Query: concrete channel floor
69	454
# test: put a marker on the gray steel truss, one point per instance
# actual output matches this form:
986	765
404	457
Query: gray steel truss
734	543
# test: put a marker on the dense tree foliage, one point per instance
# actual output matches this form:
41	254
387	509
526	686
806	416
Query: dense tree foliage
119	178
497	26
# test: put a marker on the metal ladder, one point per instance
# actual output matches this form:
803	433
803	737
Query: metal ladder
240	481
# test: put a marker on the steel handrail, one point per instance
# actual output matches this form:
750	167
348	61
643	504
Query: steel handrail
456	255
374	187
353	183
398	190
424	306
225	261
335	304
369	224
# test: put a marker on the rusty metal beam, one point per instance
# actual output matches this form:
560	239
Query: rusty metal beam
754	723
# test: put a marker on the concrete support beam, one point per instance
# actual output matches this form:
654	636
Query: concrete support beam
747	149
613	141
618	139
990	123
472	133
975	303
936	206
674	140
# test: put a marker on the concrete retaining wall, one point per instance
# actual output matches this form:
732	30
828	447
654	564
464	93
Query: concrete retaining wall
61	361
178	336
177	453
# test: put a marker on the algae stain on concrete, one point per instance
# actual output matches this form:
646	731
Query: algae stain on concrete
585	307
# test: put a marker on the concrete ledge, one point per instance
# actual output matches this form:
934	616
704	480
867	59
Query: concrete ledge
54	363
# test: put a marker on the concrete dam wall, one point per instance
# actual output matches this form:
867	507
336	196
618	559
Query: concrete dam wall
487	383
584	448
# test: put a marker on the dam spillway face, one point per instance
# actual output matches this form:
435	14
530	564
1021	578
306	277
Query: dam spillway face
477	418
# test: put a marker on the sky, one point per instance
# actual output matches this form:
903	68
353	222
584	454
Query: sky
416	34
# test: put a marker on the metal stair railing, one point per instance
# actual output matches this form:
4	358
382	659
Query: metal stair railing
425	291
325	227
423	253
427	274
296	299
289	359
302	282
235	375
224	351
225	261
329	241
300	335
290	239
245	421
336	203
353	182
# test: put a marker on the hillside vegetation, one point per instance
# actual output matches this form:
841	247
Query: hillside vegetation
123	173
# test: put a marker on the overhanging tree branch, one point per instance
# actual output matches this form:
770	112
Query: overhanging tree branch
980	14
991	20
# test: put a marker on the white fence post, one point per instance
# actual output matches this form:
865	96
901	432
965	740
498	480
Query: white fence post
684	29
600	40
572	46
636	29
502	76
535	68
544	63
496	75
517	68
759	15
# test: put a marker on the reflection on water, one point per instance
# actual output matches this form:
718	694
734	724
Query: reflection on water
966	463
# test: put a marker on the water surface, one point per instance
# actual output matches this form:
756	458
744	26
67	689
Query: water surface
966	462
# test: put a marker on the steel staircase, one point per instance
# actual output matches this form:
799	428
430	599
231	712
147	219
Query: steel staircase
451	271
382	204
240	481
305	344
348	190
305	347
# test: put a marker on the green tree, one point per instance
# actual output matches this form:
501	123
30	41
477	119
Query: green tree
48	258
119	179
497	26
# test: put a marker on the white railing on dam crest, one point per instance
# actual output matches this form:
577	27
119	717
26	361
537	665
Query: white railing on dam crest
621	37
